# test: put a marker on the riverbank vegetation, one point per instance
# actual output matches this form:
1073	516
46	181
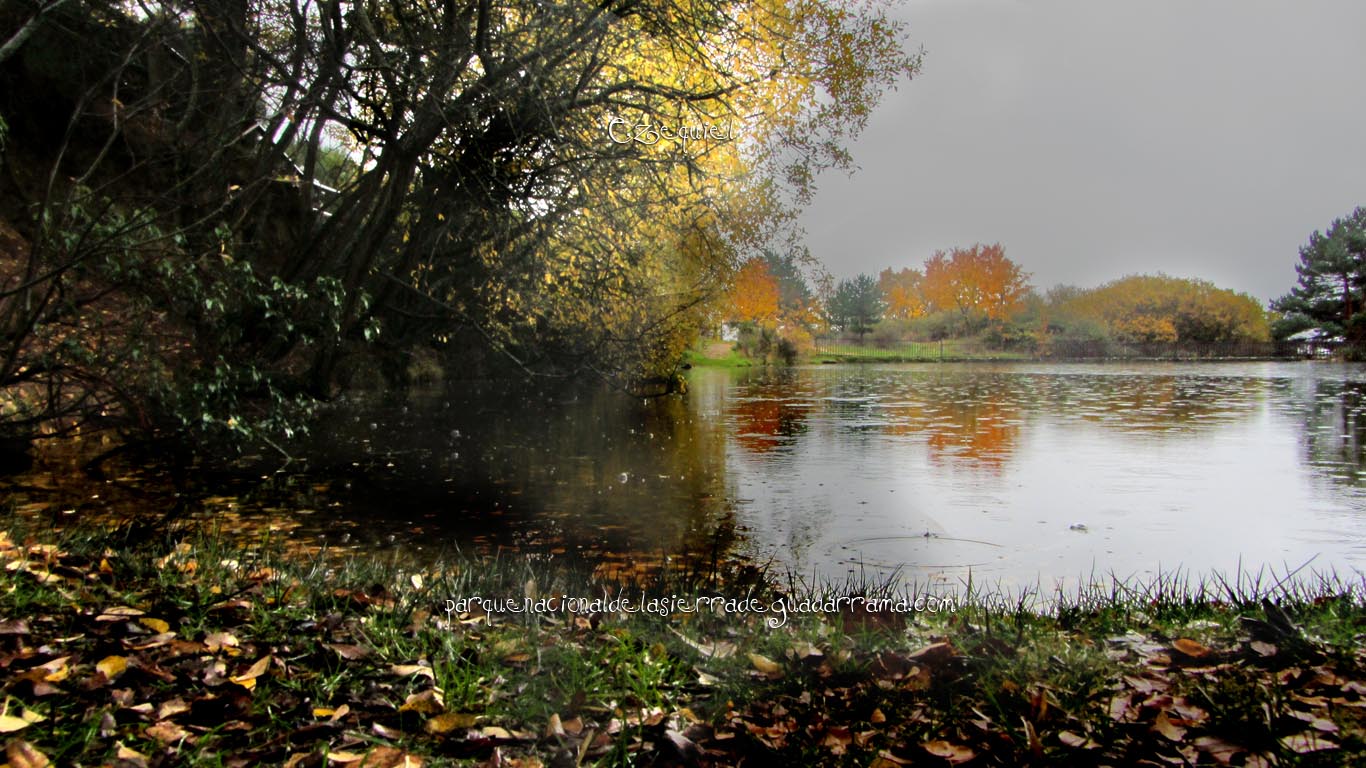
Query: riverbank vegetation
193	650
975	303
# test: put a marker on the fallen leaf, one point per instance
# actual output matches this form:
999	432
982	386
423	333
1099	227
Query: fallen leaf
450	721
218	641
131	756
1076	741
248	679
427	702
156	625
405	670
56	670
112	666
22	754
1164	726
1191	648
765	665
877	717
166	732
350	652
954	753
1309	741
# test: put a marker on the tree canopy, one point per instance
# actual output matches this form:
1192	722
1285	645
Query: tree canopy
240	195
1331	290
856	304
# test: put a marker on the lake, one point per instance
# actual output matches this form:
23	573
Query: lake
1018	474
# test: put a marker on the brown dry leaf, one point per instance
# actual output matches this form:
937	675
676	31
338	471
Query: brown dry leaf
389	757
1191	648
1076	741
1222	751
112	666
450	721
56	670
22	754
427	702
218	641
933	654
131	756
954	753
877	717
1262	649
765	665
14	627
248	679
1309	741
165	732
153	641
405	670
494	732
350	652
1164	726
172	708
119	613
837	739
554	727
521	657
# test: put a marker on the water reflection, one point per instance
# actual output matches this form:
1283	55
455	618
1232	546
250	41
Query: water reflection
1051	474
1019	474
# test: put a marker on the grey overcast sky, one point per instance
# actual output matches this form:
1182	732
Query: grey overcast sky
1095	139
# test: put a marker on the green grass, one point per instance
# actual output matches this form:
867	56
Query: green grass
361	656
905	351
697	356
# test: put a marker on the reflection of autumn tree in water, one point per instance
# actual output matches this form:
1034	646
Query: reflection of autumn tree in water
976	433
767	416
982	435
762	424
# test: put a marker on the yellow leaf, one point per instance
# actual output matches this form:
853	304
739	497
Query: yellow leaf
57	670
765	665
10	723
112	666
428	702
450	722
156	625
248	679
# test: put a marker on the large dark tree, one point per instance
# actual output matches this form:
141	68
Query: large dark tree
211	207
1331	291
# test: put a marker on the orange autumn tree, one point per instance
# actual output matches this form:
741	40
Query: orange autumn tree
975	280
901	290
754	295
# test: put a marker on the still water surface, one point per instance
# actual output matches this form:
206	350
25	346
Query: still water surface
1022	474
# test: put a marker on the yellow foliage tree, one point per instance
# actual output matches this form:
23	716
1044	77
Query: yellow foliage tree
901	290
754	294
1161	308
978	279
